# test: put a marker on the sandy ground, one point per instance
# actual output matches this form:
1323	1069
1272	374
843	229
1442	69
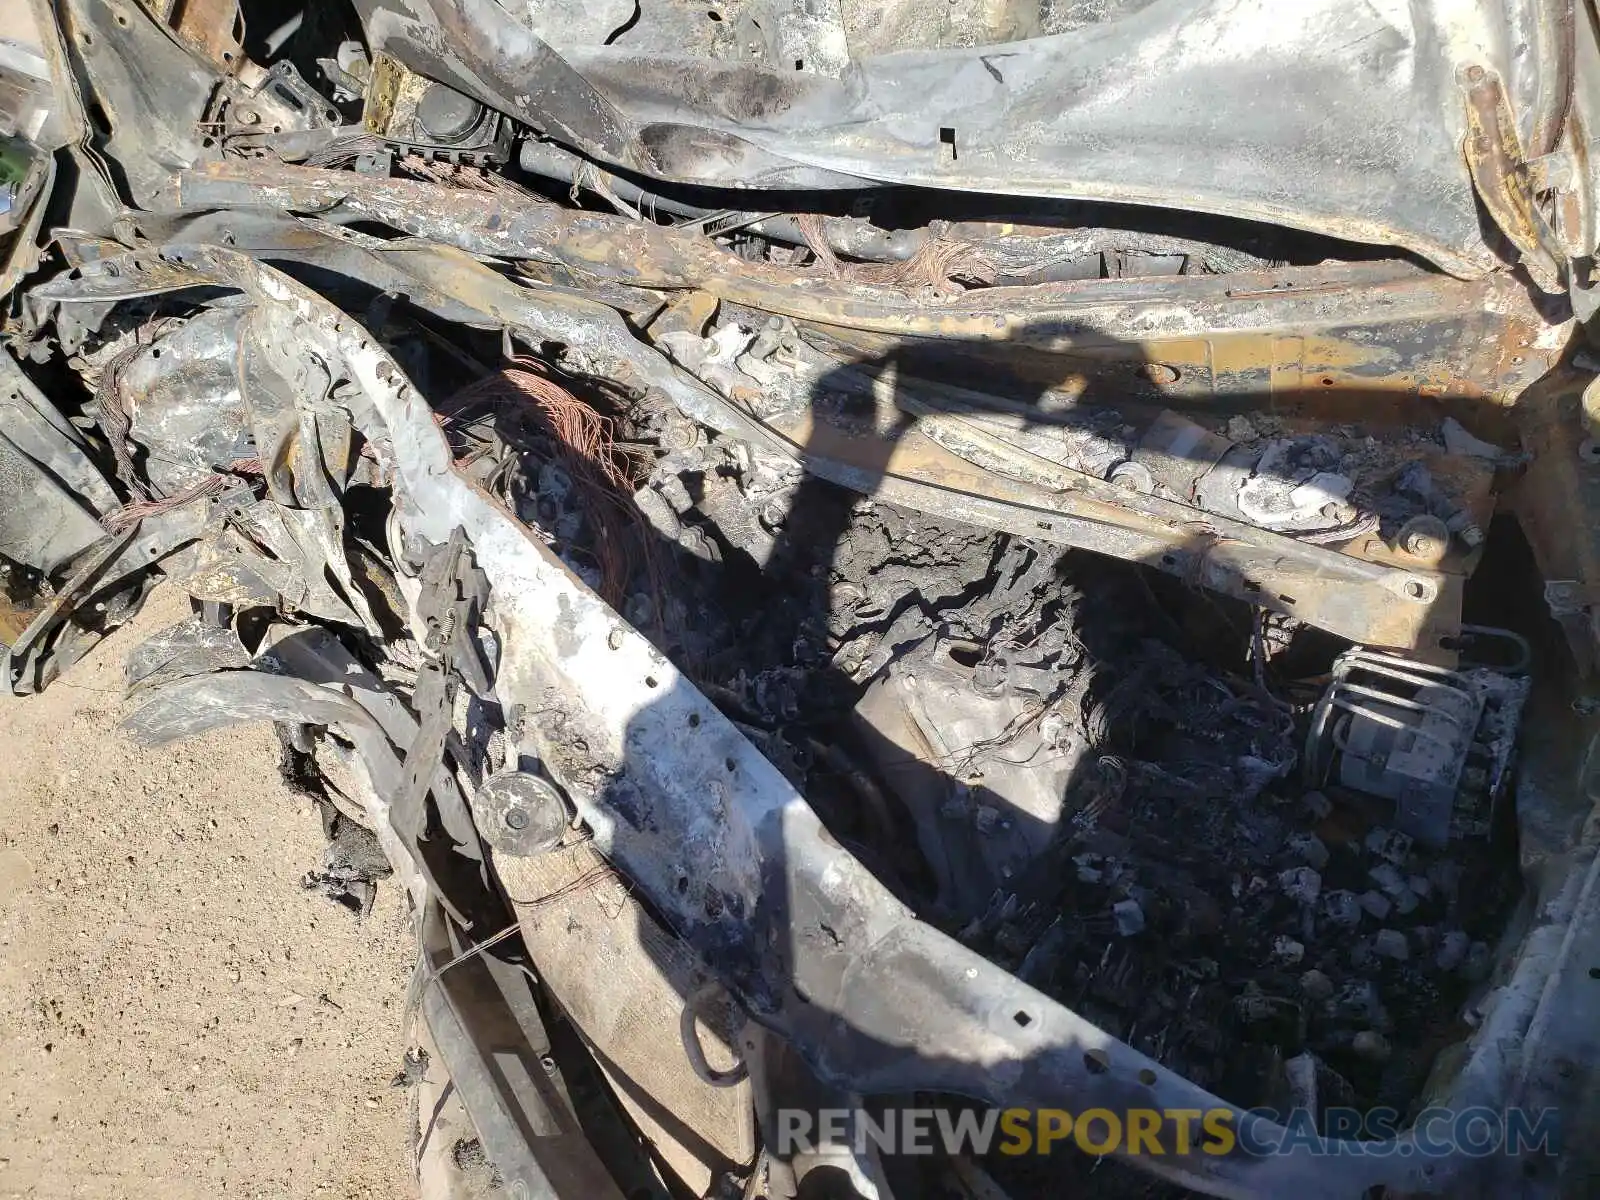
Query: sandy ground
178	1017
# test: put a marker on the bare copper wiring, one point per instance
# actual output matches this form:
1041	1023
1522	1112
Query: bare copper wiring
586	449
936	264
119	519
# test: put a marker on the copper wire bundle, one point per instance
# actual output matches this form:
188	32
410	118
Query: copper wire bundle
935	265
119	519
585	449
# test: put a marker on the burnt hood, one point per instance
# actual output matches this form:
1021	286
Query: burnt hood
1348	118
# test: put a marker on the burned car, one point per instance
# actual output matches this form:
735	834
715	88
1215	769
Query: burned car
880	559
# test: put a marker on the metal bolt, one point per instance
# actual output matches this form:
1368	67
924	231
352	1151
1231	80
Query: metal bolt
1423	545
1424	537
516	818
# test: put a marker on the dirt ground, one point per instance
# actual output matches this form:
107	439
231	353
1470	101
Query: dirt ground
178	1016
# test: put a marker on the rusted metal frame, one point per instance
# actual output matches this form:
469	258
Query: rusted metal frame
1381	604
1497	161
1576	217
1364	601
1556	56
1397	351
1468	337
1575	204
655	256
207	25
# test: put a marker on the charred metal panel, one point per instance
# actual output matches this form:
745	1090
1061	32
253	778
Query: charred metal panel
1361	140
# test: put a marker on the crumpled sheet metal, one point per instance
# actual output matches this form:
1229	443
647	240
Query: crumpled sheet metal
202	703
303	676
803	934
41	524
183	400
38	429
1361	600
217	390
55	494
189	648
105	587
229	567
449	282
1163	106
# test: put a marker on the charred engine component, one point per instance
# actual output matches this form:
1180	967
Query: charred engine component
1317	487
275	108
414	115
1436	742
984	783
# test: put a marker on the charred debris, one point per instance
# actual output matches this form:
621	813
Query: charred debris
1121	587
